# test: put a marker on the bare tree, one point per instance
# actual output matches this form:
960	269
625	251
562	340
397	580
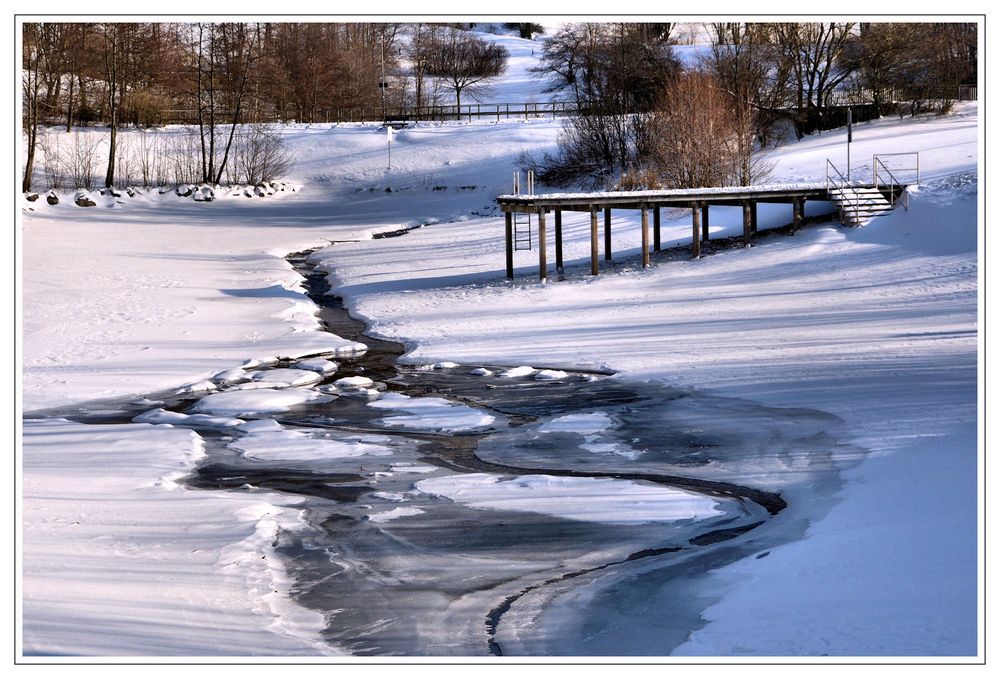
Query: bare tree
814	55
466	62
616	72
699	137
33	59
745	62
122	55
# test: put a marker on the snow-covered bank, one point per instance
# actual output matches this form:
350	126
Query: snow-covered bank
120	559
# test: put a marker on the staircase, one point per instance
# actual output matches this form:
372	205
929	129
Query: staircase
858	205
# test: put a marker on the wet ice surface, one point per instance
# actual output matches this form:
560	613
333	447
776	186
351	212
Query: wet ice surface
468	510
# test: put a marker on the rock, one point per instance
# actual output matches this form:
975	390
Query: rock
52	198
184	190
84	200
163	189
31	197
247	192
131	192
204	194
259	190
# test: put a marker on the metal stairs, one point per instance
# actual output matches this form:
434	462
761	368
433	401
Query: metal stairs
859	204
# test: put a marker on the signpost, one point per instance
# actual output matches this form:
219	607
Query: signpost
849	126
388	144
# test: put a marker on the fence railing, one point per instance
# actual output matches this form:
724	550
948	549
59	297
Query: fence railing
361	114
893	95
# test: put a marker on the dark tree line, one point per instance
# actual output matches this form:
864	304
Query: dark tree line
218	76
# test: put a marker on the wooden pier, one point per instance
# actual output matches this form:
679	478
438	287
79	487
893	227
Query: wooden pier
699	201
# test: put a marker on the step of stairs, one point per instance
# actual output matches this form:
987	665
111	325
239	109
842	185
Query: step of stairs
858	205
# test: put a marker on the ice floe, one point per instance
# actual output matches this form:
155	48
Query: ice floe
431	413
601	500
256	401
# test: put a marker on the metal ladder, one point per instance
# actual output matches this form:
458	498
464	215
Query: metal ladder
522	221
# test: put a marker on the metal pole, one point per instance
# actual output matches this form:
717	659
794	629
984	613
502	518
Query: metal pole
849	143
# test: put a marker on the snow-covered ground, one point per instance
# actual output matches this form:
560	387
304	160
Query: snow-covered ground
877	326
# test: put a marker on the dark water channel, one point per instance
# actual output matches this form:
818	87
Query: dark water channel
397	570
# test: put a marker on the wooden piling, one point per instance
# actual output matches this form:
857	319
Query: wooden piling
559	243
542	264
656	228
695	231
645	235
509	232
593	241
607	234
746	224
753	216
796	214
704	222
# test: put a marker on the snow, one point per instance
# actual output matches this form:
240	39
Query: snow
394	513
243	403
161	416
581	499
549	375
353	382
877	326
431	414
285	377
320	365
267	443
121	560
520	371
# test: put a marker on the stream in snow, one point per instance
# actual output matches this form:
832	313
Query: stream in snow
468	510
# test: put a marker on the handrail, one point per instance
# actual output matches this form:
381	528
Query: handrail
844	185
916	156
893	182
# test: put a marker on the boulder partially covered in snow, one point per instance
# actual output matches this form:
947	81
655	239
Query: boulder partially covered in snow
51	198
204	194
31	197
83	199
184	190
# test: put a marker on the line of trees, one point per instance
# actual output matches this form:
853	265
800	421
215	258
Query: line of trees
229	74
646	120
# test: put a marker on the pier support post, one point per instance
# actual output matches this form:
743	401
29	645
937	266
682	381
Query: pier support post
607	234
542	263
645	235
593	241
746	224
509	232
753	216
656	228
796	214
559	243
704	222
695	231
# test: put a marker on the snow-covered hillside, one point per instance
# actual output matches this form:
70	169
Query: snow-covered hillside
876	326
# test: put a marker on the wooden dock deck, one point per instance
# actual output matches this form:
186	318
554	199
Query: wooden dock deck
699	201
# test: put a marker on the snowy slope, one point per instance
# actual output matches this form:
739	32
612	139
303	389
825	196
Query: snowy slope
876	326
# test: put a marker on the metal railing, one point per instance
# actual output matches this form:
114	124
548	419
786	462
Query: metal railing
893	184
913	166
844	186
